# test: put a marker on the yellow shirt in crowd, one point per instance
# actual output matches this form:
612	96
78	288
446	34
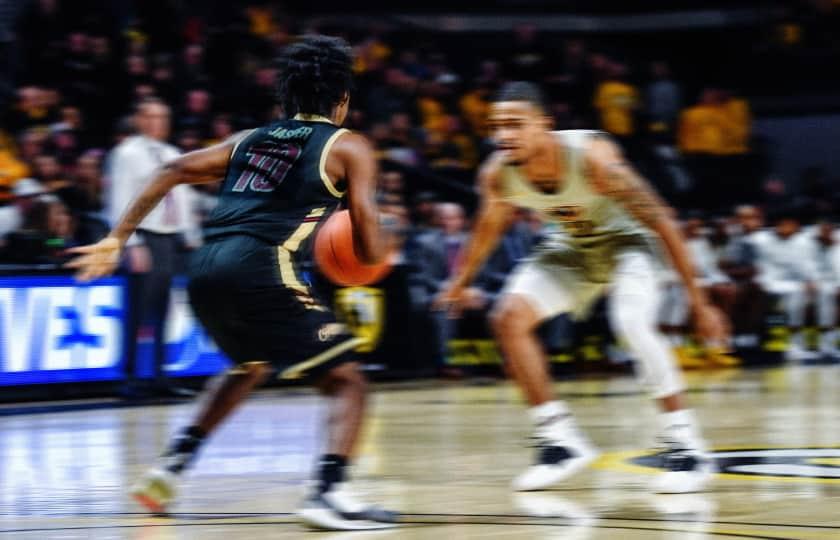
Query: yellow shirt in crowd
715	129
616	102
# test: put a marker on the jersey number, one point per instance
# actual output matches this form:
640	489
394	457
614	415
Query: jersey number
268	165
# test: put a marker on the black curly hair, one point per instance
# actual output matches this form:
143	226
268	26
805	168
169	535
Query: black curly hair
316	73
522	91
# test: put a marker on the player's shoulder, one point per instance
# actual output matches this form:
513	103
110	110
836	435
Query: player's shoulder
350	142
591	142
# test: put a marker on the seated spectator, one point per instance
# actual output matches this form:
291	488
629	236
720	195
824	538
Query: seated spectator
720	289
827	260
434	257
47	231
786	270
50	174
24	193
88	180
738	259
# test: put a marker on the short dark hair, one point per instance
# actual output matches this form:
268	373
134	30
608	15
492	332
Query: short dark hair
316	74
522	91
149	100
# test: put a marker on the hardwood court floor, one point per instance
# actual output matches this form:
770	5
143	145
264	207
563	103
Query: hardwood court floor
443	454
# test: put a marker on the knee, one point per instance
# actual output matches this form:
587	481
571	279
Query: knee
511	316
344	376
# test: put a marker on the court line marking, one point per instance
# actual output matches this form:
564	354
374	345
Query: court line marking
534	521
722	532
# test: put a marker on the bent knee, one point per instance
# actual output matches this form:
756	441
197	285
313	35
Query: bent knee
513	314
346	374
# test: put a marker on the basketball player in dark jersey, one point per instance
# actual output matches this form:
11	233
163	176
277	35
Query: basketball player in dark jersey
280	182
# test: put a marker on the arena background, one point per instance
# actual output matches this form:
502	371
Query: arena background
755	121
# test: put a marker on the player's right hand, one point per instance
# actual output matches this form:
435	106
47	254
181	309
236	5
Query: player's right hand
96	260
711	326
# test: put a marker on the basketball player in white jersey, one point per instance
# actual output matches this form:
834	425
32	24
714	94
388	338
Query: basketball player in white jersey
579	180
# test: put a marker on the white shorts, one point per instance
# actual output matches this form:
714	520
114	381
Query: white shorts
553	290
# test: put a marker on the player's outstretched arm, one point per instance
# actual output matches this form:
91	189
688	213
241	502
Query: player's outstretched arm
356	158
206	165
613	176
491	221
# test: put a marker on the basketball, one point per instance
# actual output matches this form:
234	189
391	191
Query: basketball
336	257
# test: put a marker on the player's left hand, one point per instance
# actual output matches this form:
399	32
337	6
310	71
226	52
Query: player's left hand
96	260
451	299
711	325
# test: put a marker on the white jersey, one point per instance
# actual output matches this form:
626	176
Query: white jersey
783	259
705	261
596	228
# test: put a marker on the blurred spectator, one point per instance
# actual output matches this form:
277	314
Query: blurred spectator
664	100
32	109
196	113
31	144
739	260
192	71
23	194
785	270
189	140
736	136
617	101
88	180
827	260
474	107
527	60
51	175
12	169
221	129
703	126
435	256
46	232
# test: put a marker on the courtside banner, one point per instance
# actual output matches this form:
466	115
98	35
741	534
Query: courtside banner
56	330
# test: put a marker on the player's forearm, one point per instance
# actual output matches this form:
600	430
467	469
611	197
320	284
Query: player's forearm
485	237
370	241
675	244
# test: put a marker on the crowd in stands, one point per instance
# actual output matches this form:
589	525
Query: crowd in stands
78	75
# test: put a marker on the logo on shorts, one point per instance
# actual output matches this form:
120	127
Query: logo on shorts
330	331
770	463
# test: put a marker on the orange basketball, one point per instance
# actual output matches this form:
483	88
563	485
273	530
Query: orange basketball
336	258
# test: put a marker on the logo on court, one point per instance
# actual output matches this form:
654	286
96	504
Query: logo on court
813	463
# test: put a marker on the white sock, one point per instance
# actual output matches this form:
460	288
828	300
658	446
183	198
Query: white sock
553	421
547	411
682	426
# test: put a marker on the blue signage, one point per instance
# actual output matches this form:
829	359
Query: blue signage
53	329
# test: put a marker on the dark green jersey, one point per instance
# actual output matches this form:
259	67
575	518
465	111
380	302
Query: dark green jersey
276	188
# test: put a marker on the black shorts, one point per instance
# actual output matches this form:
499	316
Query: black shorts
257	312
